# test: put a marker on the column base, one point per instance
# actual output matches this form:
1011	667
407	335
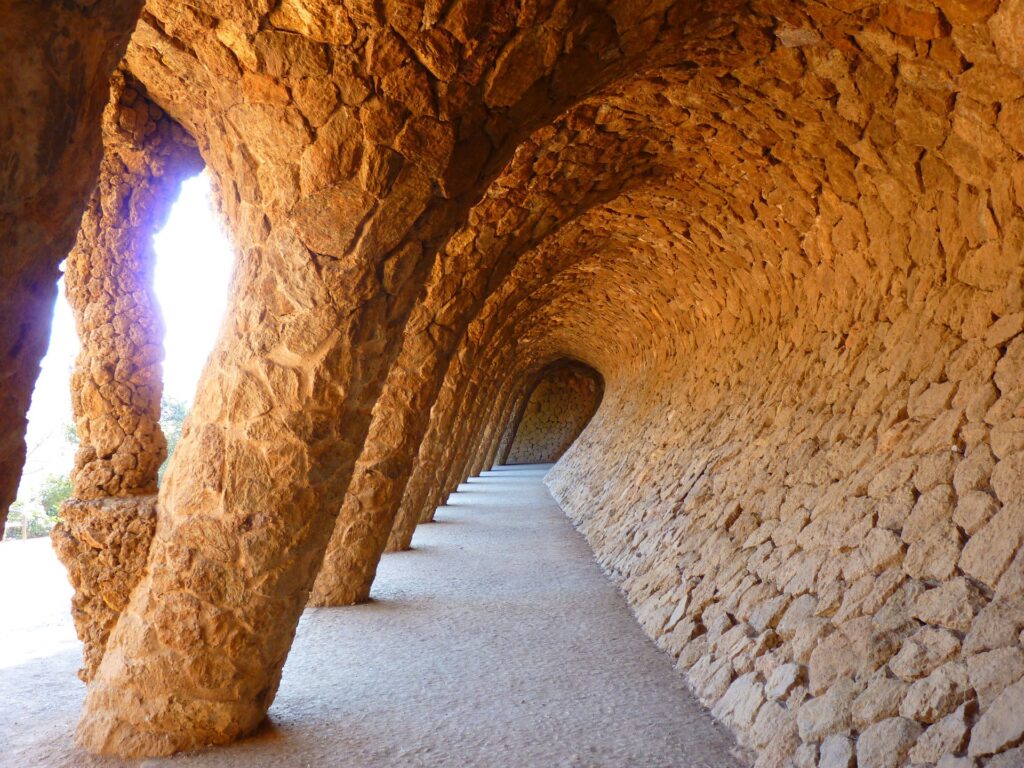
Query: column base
104	544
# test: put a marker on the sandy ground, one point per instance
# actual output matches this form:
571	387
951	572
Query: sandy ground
496	642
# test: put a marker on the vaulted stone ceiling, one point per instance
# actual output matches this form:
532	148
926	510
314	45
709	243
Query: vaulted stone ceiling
787	235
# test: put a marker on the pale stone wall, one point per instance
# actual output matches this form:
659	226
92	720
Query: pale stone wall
557	411
830	540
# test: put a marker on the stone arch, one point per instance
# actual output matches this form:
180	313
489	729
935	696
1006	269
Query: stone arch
558	408
775	300
395	137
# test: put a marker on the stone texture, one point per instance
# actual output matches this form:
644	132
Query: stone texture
104	544
886	744
952	605
836	752
947	737
828	714
556	412
55	61
932	698
422	129
117	381
992	671
117	384
787	237
1002	725
881	699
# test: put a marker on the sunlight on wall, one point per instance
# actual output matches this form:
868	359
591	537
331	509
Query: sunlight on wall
192	272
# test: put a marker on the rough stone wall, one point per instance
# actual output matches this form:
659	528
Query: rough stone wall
829	540
55	61
806	468
106	528
557	411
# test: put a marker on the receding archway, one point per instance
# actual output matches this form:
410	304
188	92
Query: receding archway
561	404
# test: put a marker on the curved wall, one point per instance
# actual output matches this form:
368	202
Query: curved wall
806	472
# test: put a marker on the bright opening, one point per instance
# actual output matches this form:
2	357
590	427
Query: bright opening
192	271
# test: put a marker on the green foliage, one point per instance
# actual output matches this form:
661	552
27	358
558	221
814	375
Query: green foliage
44	511
54	490
40	523
172	419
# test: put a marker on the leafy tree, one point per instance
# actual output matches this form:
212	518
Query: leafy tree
52	492
40	524
15	515
21	516
172	418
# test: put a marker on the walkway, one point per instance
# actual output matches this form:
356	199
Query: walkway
497	642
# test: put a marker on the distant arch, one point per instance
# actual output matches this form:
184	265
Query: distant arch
563	400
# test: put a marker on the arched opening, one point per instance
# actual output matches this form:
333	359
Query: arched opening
189	266
562	402
192	270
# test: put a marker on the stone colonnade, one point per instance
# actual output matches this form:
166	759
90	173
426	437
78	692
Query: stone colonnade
346	152
787	235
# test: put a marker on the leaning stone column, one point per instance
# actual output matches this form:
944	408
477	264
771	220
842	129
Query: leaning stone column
378	481
416	489
55	63
507	423
467	441
515	415
400	419
490	436
421	493
107	525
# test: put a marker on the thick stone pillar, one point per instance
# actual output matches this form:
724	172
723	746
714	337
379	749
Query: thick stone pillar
429	475
505	426
413	503
467	457
107	525
379	479
423	489
489	435
455	290
55	64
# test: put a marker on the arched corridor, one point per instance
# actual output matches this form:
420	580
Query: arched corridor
787	238
496	638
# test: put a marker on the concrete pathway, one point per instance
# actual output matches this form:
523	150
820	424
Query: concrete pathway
495	643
